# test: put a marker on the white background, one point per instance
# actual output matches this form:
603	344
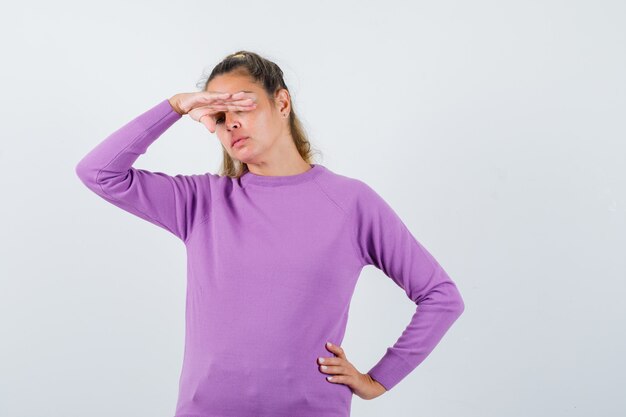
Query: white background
494	128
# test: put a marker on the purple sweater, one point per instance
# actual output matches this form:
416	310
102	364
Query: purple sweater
272	263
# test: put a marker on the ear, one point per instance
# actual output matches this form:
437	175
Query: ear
283	100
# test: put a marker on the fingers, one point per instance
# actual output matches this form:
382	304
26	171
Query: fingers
210	104
208	122
199	113
204	98
236	105
333	366
334	361
340	355
337	350
240	105
339	370
339	367
232	102
240	98
246	104
212	110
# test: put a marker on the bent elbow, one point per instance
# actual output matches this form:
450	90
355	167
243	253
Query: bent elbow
460	305
86	173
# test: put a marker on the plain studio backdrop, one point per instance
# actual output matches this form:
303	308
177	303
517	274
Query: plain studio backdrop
495	129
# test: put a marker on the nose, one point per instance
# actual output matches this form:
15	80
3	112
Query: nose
231	123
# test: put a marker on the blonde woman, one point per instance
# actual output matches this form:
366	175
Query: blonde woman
275	245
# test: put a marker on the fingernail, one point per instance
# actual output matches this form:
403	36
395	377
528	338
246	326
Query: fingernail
328	344
330	378
321	360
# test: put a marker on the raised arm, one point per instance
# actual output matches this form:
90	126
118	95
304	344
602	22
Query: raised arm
159	198
384	241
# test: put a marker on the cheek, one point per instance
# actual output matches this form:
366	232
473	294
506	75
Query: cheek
221	136
252	120
262	123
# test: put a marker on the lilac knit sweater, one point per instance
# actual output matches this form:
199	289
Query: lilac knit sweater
272	263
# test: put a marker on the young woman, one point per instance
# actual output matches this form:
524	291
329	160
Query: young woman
275	245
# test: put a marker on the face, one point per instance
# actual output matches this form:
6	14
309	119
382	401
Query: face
266	129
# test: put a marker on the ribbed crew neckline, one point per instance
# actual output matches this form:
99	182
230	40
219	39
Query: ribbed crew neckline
276	180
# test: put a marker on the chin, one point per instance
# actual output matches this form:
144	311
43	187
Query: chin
246	156
246	160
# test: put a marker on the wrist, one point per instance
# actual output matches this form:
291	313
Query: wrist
378	384
176	107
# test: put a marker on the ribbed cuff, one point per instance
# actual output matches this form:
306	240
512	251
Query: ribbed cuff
390	370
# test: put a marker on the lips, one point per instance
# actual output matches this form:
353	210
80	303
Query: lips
237	140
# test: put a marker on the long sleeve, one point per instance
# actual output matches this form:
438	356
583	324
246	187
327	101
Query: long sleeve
164	200
384	241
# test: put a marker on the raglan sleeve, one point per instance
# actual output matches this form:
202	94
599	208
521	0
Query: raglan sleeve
383	240
107	170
